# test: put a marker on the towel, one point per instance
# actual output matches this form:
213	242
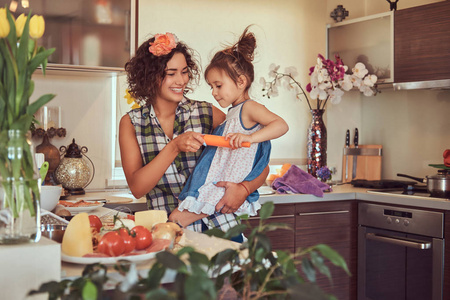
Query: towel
298	181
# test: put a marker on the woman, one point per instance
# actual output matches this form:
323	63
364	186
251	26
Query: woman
161	141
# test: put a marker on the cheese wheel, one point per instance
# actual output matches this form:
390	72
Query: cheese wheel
77	240
148	218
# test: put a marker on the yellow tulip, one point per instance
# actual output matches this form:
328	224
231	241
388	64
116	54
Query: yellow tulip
20	24
4	24
37	26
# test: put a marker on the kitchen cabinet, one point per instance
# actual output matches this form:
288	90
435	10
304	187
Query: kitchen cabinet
407	48
87	35
281	239
446	291
333	224
422	43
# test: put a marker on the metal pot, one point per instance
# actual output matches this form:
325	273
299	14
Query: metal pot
437	185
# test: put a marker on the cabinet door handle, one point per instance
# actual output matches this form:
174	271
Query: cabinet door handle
273	217
416	244
324	213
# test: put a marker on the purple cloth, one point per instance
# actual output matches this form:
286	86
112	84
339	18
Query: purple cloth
298	181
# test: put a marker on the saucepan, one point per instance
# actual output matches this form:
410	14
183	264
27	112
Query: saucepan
437	185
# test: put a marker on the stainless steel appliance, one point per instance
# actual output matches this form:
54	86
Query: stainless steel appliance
400	253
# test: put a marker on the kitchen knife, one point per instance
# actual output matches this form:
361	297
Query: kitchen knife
347	144
355	157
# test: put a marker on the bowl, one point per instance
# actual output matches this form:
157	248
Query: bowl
50	196
53	231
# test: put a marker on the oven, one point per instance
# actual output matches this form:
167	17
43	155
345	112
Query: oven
400	253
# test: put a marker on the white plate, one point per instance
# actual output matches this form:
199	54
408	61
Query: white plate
79	209
266	190
108	260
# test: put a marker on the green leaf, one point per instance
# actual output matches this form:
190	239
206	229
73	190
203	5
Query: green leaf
266	210
170	260
224	257
197	258
155	275
319	263
199	288
262	241
333	256
22	51
158	294
39	59
34	107
89	291
215	232
235	231
184	250
308	269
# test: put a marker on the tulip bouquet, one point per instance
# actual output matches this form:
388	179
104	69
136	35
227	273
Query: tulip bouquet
20	57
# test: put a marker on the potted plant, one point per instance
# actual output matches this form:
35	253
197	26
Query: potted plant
254	271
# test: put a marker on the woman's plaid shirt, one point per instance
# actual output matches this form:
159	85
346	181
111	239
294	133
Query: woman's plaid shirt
190	115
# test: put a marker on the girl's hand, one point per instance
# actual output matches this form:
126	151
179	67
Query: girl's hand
233	198
188	142
236	139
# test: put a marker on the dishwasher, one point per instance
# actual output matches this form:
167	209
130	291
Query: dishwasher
400	253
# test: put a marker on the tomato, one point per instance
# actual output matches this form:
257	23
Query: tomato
111	244
130	242
95	222
143	237
131	217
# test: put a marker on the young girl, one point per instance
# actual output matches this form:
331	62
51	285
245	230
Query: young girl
161	142
230	75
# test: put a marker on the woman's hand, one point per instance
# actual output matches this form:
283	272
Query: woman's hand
189	141
233	198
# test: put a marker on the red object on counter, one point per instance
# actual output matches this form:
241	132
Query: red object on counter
447	157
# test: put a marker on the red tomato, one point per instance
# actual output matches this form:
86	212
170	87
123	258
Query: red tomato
131	217
142	236
95	222
111	244
130	242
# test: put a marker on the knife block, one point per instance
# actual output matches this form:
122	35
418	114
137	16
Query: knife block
368	162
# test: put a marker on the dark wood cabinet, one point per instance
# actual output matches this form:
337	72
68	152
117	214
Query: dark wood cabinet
422	43
334	224
281	239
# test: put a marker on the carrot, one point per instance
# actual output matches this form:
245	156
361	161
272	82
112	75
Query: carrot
219	141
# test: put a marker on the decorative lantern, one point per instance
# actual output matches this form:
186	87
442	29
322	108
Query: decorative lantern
73	171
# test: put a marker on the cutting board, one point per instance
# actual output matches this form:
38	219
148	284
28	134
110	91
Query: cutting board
368	163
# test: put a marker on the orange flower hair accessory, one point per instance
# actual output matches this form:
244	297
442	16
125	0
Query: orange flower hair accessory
163	44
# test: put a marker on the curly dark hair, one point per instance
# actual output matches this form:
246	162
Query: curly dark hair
145	71
236	60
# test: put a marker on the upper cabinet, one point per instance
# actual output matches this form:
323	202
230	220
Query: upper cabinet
92	35
408	48
369	40
422	46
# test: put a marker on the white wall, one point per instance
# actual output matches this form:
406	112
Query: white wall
290	34
412	126
85	101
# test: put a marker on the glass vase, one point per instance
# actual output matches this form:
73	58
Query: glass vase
20	217
317	142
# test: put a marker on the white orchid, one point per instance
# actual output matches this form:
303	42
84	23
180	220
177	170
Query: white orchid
328	81
360	70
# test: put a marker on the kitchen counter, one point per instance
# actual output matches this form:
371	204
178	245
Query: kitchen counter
117	198
348	192
114	199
